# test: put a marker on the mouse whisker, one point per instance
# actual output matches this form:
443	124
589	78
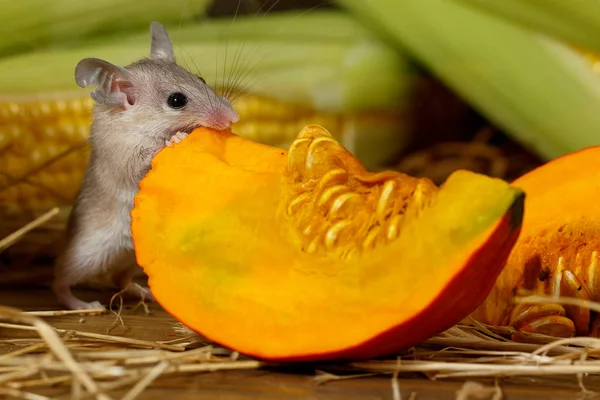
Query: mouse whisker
244	76
236	84
235	68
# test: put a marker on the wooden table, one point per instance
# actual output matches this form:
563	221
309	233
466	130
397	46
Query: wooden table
259	384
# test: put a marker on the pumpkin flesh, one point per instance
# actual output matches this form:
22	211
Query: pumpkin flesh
559	242
305	255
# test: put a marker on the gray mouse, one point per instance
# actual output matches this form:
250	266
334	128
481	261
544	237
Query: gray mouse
139	109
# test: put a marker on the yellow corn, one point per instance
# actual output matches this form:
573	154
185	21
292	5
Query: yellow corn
43	149
31	134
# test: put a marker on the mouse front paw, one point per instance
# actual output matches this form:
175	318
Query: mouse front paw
176	138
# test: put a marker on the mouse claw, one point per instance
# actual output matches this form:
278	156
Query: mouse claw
176	138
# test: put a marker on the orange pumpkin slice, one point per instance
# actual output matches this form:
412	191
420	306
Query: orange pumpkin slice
304	255
558	250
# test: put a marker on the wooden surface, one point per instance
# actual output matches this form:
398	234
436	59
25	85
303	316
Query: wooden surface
292	384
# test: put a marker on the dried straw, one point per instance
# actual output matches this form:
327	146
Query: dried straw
93	365
115	362
104	338
57	347
96	364
18	234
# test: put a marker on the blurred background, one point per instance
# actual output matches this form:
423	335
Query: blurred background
425	87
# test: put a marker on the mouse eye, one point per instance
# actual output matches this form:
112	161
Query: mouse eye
177	100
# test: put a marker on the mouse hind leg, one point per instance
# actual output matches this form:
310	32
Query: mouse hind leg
97	252
64	279
121	277
124	280
70	301
91	256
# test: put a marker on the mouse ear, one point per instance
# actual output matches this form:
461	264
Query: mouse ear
161	46
114	84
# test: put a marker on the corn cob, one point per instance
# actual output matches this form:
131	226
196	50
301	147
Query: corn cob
31	134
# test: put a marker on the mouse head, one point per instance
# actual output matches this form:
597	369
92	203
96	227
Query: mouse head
157	87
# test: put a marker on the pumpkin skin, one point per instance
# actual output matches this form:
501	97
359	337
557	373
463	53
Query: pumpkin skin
303	255
556	253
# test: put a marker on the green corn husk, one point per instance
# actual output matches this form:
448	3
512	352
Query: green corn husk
574	21
537	89
27	25
323	60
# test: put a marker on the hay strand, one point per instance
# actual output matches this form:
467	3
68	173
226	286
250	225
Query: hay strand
19	233
570	301
143	383
396	387
60	313
105	338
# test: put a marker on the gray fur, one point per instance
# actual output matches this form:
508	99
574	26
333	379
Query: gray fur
131	123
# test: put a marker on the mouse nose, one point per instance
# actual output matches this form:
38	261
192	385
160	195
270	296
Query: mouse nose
230	116
234	118
222	118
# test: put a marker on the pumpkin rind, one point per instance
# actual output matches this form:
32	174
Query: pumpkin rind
305	255
557	251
